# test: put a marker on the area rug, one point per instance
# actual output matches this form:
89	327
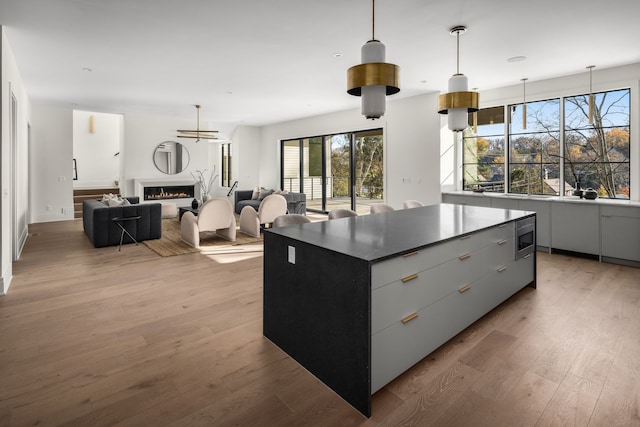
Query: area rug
171	243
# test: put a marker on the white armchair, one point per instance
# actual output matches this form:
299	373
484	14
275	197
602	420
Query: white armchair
215	215
270	208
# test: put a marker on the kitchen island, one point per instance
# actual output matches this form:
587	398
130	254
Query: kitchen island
357	301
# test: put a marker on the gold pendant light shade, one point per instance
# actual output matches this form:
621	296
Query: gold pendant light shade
372	74
468	100
592	97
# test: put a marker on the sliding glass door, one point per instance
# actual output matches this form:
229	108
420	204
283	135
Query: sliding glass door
343	170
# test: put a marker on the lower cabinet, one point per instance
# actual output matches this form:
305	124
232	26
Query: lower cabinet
415	314
620	233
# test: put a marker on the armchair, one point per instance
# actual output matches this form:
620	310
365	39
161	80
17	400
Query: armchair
215	215
271	207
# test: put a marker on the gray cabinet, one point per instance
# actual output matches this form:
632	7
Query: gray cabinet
609	229
620	233
576	227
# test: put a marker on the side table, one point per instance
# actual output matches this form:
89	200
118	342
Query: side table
119	221
184	209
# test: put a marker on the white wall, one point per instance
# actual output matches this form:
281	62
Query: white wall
95	152
143	133
412	146
14	164
247	154
50	168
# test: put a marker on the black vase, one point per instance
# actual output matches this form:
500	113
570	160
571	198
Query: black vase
194	204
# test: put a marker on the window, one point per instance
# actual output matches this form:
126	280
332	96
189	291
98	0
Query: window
225	161
343	170
534	147
483	151
552	148
597	154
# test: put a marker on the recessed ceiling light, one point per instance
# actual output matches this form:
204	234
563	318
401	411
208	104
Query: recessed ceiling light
423	81
337	55
516	59
87	69
229	92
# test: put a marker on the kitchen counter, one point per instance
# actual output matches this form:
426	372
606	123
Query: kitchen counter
359	300
541	197
376	237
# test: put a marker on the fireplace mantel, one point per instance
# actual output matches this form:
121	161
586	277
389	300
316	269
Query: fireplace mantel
140	184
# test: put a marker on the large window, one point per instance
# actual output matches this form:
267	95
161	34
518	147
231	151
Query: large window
483	151
553	147
597	153
534	147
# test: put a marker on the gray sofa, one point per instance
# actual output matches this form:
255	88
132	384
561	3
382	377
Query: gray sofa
296	202
102	231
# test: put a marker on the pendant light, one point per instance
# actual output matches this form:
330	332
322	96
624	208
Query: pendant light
459	101
373	79
198	134
591	95
524	103
475	116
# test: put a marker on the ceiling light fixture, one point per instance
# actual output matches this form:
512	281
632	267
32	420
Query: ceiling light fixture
459	101
524	102
198	134
475	116
516	59
591	95
374	79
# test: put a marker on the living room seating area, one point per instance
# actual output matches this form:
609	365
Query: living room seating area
101	229
296	202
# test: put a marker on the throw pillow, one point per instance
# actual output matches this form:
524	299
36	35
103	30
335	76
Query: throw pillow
115	202
264	193
255	194
282	192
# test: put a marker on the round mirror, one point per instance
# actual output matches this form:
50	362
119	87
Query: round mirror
171	157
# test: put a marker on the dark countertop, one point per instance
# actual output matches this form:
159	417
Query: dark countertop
376	237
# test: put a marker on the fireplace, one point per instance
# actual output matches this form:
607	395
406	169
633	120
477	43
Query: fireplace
179	191
166	192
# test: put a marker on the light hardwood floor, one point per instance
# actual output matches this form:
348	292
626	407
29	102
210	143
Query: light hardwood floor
97	337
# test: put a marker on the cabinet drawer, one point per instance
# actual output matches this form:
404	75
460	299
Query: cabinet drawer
394	269
400	346
394	301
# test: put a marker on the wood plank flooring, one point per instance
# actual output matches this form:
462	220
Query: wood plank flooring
97	337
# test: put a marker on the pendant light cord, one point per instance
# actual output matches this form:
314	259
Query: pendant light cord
373	19
457	52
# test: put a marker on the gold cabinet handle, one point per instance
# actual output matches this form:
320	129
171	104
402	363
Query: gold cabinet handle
468	236
502	242
464	289
463	257
526	256
410	254
411	277
502	225
410	317
501	269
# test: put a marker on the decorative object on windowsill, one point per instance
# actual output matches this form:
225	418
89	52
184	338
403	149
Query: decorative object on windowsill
590	194
204	183
591	95
459	101
198	134
194	204
374	78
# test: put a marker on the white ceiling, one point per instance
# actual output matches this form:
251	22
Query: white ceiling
259	62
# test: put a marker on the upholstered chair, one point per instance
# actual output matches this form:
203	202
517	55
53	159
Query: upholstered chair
381	207
271	207
408	204
290	219
341	213
215	215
